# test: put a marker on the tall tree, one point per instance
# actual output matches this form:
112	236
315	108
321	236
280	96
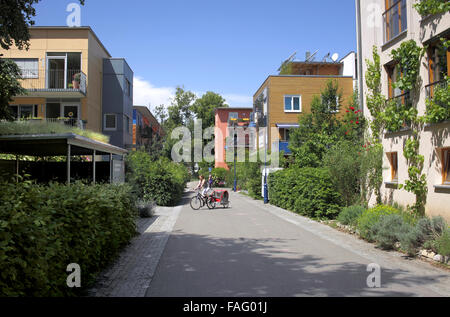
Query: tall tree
204	108
9	86
318	130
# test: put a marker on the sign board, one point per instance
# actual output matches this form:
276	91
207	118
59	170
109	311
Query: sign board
118	172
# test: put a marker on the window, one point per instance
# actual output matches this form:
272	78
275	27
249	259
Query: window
395	19
127	88
232	117
110	122
28	67
292	103
438	66
23	111
446	166
393	160
126	124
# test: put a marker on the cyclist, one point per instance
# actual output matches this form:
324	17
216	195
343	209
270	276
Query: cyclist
202	184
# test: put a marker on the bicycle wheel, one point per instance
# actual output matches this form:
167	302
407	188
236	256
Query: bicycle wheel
196	203
211	203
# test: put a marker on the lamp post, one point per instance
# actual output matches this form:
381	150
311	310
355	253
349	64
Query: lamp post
266	189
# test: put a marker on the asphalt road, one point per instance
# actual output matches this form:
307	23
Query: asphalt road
257	250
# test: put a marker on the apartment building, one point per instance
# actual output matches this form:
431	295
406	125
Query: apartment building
281	99
70	76
146	128
226	119
386	24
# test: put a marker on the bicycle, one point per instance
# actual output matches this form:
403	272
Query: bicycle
200	201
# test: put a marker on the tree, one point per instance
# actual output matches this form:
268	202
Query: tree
318	130
205	107
9	86
179	111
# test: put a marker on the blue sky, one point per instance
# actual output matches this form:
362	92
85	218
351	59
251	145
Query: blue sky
228	46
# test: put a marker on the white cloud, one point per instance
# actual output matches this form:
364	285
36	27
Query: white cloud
145	93
234	100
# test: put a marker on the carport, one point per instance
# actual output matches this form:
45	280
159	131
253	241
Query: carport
68	145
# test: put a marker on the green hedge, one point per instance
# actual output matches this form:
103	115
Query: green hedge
307	191
161	181
46	228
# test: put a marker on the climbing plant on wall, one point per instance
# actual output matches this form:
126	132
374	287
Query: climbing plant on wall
427	7
408	56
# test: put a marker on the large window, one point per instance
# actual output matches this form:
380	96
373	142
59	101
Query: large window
438	66
395	19
29	67
292	103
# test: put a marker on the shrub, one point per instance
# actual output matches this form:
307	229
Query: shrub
146	209
350	215
220	176
425	233
45	228
368	219
161	181
307	191
443	243
388	229
343	163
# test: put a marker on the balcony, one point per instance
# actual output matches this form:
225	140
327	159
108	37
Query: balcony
430	89
54	83
70	122
395	20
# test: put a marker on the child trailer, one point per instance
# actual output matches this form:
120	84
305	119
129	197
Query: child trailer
220	197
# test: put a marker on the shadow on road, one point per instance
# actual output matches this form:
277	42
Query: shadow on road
201	265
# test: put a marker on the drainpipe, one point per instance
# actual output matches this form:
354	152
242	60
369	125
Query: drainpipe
360	60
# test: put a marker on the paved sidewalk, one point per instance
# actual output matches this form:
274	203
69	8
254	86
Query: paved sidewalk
132	272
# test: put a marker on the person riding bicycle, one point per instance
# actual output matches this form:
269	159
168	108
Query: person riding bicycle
202	184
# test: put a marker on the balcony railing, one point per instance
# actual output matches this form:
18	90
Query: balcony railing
81	124
395	20
430	89
403	100
70	80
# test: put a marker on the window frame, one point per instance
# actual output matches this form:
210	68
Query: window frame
105	128
445	152
393	161
32	73
292	103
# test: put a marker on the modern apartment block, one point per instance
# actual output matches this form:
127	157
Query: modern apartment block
146	128
70	76
118	102
283	98
387	24
226	120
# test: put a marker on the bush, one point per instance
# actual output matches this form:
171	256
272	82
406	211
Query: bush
221	177
424	233
307	191
45	228
388	230
343	163
443	243
368	219
161	181
350	215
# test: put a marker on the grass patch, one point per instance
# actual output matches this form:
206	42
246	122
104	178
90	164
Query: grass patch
42	127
